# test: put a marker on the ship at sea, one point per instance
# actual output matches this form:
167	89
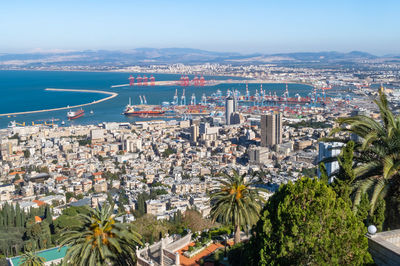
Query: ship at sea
75	114
130	110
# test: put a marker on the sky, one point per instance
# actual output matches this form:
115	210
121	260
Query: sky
265	26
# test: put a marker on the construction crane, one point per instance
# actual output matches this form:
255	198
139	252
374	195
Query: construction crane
144	99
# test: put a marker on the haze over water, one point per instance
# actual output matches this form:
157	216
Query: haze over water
24	91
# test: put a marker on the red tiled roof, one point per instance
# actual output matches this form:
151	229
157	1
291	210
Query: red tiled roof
185	261
17	172
39	202
61	178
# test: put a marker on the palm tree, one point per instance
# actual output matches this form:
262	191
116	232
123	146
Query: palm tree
377	155
237	202
101	240
32	259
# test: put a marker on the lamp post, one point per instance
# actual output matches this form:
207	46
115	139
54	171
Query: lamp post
226	243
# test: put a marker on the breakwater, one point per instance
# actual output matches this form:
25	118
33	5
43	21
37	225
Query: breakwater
112	95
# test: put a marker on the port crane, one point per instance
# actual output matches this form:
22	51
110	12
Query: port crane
131	80
175	101
204	99
183	98
152	80
193	99
247	92
196	81
202	81
139	80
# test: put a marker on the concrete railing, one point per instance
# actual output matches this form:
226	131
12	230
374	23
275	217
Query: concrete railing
179	244
153	255
385	247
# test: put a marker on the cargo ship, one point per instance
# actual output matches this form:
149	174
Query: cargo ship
74	115
131	111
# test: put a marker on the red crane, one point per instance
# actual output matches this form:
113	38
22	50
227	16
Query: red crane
139	80
186	81
202	81
152	81
182	81
196	81
145	79
131	80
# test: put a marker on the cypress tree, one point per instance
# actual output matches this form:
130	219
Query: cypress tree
379	214
12	216
18	218
7	211
23	218
47	214
363	208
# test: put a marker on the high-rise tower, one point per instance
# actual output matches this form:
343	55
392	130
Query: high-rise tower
229	109
271	130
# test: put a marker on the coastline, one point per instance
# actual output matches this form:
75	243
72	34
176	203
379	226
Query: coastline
240	80
112	95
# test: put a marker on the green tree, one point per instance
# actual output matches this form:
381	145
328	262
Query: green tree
378	217
305	223
101	240
323	173
68	196
18	216
237	203
27	154
363	209
345	177
31	259
47	214
378	160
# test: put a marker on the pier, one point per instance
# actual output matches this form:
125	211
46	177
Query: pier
112	95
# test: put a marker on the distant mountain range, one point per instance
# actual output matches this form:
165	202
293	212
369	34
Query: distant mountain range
148	56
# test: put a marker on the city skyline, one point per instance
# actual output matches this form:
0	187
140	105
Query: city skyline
254	27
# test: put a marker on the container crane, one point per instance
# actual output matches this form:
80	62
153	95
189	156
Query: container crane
145	80
139	80
183	98
175	101
152	80
131	80
193	99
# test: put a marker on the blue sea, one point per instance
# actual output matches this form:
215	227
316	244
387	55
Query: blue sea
25	91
